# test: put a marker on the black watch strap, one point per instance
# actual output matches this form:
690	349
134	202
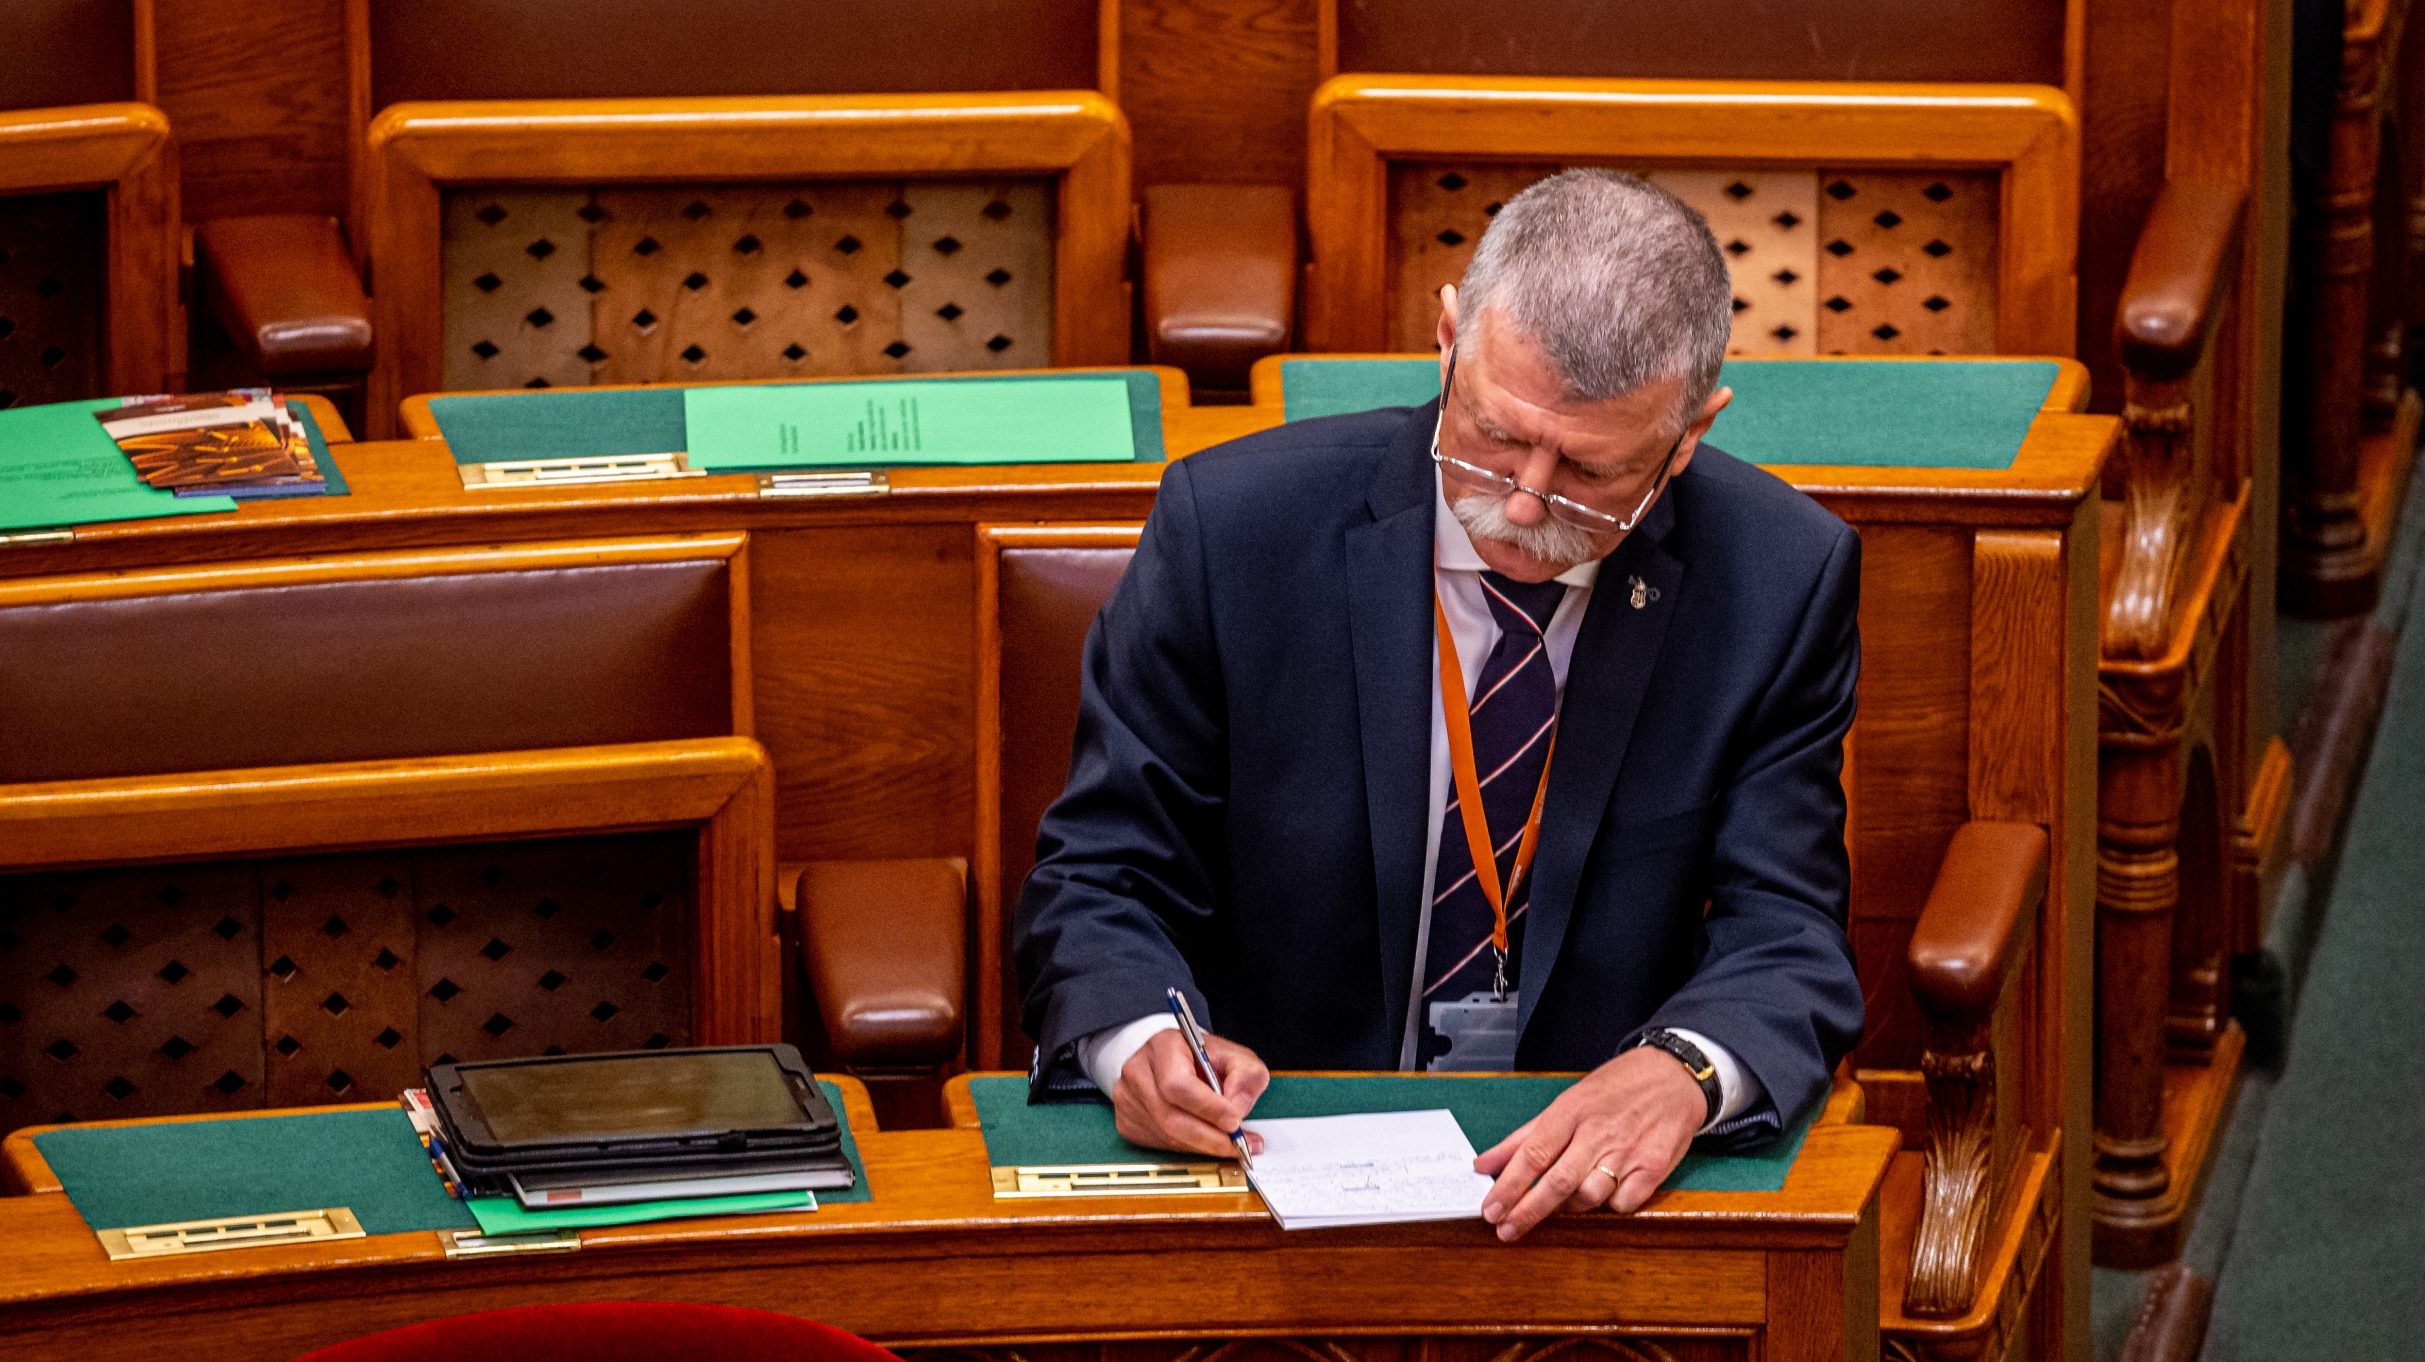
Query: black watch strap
1695	1063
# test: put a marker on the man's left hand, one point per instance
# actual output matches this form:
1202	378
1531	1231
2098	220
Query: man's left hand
1609	1140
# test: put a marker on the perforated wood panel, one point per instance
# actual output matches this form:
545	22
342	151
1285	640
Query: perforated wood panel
651	284
305	980
52	298
129	993
1823	262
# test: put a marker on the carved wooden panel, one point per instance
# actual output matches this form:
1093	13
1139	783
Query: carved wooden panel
1838	262
555	947
516	309
294	981
700	283
52	309
129	993
1907	262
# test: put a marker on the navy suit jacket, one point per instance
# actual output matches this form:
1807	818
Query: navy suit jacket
1249	787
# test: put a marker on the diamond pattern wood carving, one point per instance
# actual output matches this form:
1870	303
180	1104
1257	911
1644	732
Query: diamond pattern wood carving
1860	262
700	283
51	298
305	980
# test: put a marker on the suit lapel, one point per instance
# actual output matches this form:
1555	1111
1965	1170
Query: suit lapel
1615	654
1389	595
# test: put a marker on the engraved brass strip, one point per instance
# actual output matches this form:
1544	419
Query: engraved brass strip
473	1244
858	482
38	537
1116	1179
228	1232
573	472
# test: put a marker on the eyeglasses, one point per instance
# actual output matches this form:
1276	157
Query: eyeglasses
1564	509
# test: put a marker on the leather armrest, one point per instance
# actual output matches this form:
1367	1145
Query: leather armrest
286	292
1977	925
885	947
2188	248
1220	277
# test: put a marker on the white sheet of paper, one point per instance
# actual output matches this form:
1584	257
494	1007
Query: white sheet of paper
1375	1169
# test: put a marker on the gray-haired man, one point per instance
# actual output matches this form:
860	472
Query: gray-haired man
1503	733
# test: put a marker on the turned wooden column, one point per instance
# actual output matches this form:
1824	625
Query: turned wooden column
2138	890
2326	569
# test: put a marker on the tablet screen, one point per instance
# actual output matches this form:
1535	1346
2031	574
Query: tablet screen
633	1097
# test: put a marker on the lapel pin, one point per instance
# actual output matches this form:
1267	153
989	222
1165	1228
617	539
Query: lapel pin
1643	593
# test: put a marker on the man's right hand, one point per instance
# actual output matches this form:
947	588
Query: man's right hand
1163	1102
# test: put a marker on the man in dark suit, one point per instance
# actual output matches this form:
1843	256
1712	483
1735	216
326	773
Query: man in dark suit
1503	733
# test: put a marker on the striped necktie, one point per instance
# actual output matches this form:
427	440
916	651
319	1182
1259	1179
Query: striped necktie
1514	706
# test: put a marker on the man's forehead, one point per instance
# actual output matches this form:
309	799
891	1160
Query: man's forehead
1518	389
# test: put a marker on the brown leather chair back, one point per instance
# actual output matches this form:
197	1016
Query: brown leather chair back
1046	585
1868	40
369	657
67	52
606	49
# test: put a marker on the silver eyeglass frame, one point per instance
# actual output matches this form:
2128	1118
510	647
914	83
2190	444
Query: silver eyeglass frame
1578	515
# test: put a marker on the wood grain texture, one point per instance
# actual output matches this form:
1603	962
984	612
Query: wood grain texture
416	150
1215	90
257	92
2028	132
934	1261
127	151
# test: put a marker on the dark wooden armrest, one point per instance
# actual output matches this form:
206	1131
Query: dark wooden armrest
1220	277
2188	248
1975	929
286	292
885	946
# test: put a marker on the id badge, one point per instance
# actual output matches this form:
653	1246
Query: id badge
1480	1031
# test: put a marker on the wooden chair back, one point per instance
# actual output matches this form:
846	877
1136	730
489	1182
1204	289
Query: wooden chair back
88	206
286	832
1881	219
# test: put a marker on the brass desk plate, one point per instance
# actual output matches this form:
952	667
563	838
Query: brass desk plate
474	1244
853	482
229	1232
576	471
1116	1179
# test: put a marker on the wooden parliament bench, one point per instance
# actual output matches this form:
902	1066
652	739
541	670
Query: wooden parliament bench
1771	1258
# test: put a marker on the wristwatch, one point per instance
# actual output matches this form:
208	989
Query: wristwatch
1695	1063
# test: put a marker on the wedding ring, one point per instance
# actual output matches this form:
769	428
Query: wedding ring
1602	1169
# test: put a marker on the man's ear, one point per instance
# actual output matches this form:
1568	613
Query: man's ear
1700	427
1446	332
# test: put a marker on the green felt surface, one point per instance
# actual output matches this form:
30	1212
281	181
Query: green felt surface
1488	1109
326	457
577	423
1864	413
369	1162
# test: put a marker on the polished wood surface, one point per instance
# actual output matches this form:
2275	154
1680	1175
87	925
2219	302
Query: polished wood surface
126	151
722	786
1361	123
414	151
935	1261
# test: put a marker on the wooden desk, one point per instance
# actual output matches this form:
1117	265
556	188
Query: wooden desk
934	1262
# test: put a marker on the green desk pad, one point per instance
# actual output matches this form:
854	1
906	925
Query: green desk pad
589	423
369	1162
1017	1133
1866	413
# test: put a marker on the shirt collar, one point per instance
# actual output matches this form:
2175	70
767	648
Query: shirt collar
1453	549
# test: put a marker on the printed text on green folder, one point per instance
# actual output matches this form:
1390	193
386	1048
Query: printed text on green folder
903	421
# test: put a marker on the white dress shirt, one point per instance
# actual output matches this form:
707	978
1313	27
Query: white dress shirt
1457	571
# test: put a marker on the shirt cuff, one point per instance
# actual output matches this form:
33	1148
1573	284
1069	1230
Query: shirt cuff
1103	1054
1739	1089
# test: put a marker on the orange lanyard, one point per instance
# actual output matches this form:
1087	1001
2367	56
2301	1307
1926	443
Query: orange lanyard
1456	708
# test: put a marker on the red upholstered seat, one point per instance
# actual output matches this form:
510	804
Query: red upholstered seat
610	1331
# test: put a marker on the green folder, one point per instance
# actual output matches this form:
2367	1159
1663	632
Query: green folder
504	1215
58	468
904	422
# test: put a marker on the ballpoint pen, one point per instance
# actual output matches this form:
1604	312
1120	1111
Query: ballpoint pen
1195	1041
